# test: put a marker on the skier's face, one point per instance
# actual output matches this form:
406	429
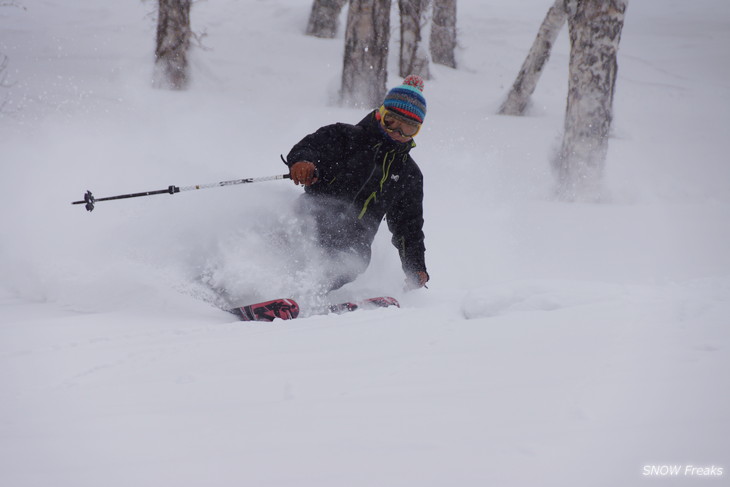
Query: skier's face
397	128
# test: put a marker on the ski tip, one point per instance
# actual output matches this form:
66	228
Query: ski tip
370	303
284	309
381	302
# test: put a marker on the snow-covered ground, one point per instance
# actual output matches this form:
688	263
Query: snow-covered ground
559	344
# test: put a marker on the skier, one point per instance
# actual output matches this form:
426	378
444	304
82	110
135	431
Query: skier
355	175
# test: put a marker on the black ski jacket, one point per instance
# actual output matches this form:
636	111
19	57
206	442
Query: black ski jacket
364	176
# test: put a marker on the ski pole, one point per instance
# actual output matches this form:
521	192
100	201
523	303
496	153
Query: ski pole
89	199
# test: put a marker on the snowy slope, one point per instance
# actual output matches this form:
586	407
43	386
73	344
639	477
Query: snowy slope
558	344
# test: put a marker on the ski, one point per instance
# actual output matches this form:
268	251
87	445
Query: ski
285	309
288	309
371	303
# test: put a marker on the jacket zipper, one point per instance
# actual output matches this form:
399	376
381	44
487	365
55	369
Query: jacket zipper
373	195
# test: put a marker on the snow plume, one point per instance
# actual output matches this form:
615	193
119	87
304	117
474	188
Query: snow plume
275	255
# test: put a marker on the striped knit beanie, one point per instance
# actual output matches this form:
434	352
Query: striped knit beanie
407	99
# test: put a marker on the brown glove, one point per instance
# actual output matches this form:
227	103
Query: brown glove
303	172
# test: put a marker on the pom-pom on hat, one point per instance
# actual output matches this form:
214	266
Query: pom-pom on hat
407	99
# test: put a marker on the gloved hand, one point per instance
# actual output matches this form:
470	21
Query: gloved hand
303	172
417	280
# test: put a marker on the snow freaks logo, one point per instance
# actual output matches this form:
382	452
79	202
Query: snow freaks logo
681	471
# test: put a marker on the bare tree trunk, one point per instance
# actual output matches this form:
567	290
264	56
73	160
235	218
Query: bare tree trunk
365	67
413	56
443	32
539	54
173	40
3	79
595	32
324	18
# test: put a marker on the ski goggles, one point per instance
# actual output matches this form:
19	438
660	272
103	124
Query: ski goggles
392	122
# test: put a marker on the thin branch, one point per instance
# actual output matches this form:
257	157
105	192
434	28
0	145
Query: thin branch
12	4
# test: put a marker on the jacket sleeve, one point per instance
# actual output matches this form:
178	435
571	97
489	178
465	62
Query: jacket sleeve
324	148
405	221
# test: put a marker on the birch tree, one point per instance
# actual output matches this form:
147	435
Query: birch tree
365	66
324	18
443	33
173	41
3	79
527	78
595	32
4	60
413	55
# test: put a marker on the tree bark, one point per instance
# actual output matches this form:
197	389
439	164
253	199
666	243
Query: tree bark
527	78
173	41
3	78
595	32
324	18
413	56
443	33
365	66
